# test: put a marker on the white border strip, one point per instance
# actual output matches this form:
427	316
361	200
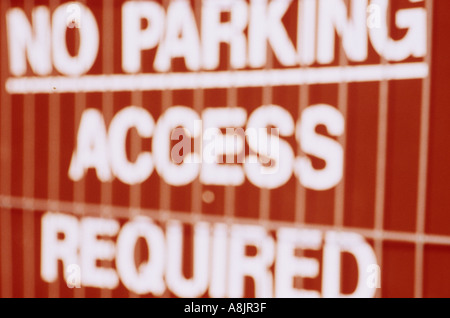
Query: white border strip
210	80
123	212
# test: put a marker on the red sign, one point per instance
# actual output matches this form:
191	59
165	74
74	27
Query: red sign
235	148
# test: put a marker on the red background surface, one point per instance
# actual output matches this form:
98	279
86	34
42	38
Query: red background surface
38	135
